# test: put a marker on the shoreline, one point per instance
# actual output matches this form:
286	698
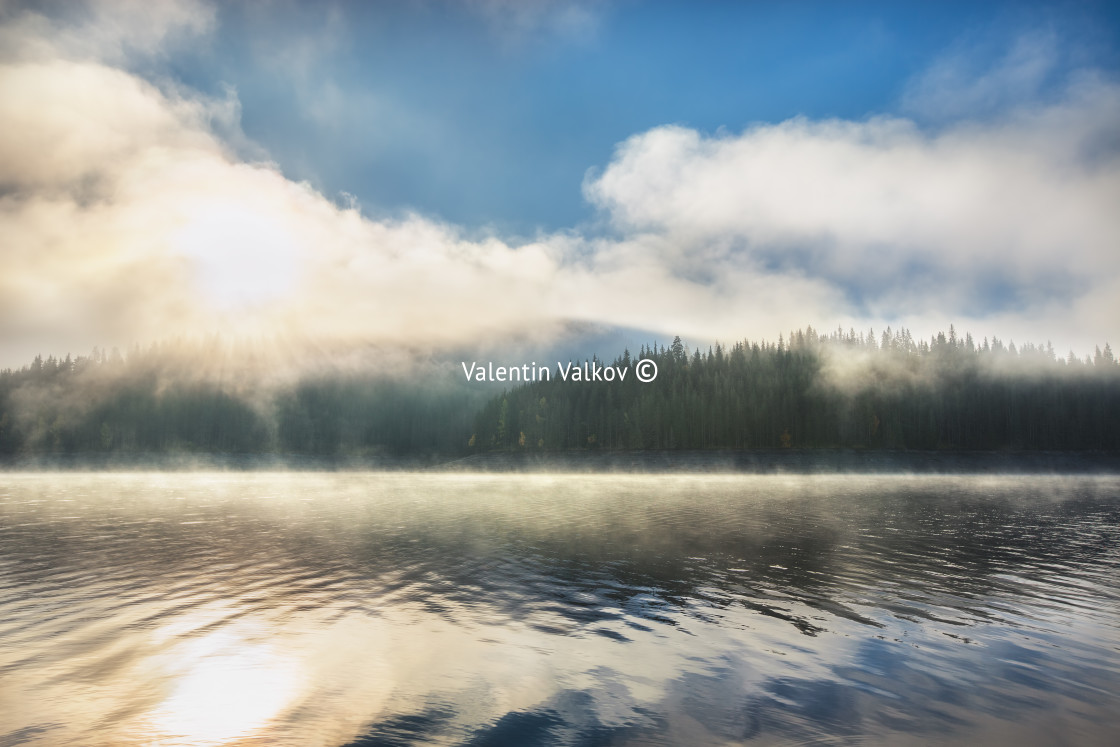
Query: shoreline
760	461
786	461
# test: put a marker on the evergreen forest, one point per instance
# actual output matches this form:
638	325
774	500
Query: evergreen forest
805	391
811	391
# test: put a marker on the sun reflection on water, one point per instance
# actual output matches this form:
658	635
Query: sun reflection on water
230	689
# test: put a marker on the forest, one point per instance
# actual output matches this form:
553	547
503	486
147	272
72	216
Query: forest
155	402
812	391
805	391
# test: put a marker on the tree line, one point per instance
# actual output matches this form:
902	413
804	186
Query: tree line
110	403
805	391
811	390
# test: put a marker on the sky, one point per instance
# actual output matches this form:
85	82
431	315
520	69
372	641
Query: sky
480	173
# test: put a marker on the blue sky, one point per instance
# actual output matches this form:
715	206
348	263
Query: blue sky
500	172
445	109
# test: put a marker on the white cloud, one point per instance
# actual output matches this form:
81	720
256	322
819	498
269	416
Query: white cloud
974	220
127	219
1022	188
65	122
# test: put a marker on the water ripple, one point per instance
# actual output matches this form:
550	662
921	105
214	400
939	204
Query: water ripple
406	609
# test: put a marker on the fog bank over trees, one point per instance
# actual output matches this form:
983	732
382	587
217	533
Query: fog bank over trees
214	399
804	391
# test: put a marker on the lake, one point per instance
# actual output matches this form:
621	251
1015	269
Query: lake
394	609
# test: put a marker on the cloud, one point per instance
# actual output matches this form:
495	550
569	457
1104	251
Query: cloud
126	219
130	213
516	21
68	123
1011	218
105	30
957	85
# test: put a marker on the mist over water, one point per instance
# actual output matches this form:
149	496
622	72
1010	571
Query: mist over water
391	609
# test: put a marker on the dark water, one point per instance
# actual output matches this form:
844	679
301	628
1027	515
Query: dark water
370	609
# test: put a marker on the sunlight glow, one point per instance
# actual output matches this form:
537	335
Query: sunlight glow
227	695
242	255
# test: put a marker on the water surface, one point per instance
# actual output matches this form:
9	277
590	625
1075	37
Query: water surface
389	609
